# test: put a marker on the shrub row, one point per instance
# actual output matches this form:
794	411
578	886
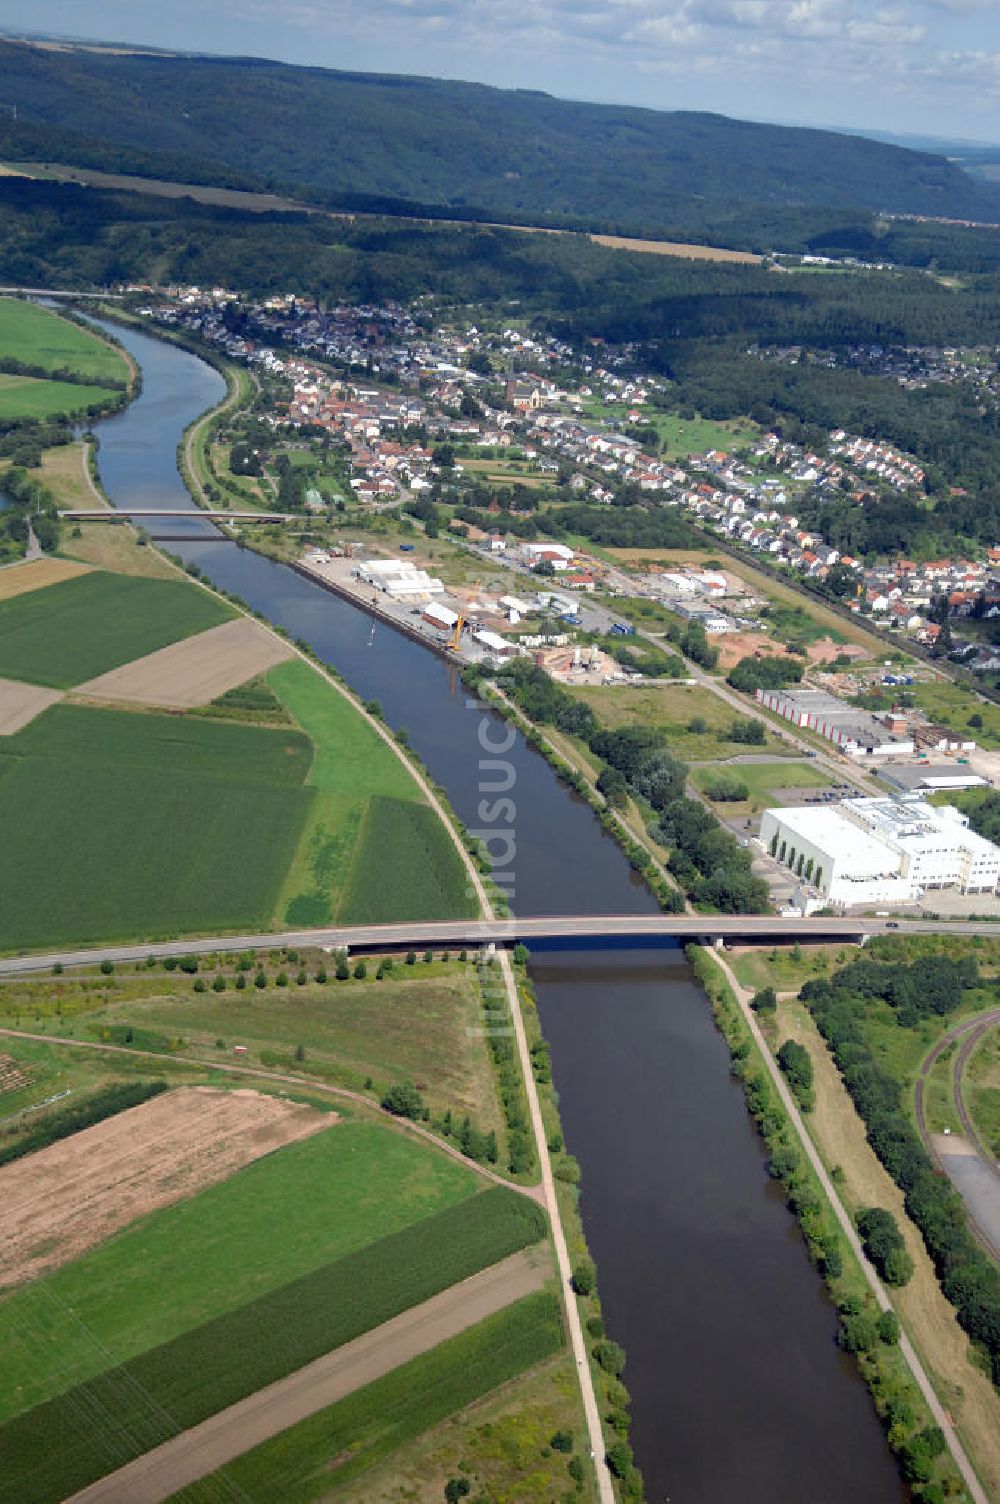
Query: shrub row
66	1121
870	1335
968	1278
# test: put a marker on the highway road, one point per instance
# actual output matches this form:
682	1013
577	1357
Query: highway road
478	932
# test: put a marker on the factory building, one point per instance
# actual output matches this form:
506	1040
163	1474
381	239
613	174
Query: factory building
398	578
853	731
884	850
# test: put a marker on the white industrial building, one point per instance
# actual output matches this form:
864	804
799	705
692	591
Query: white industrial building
399	578
853	731
886	850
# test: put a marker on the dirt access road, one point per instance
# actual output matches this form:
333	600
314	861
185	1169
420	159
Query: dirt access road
206	1448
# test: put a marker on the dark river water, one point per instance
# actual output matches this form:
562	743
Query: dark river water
738	1390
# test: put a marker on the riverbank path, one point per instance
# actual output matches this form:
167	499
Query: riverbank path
940	1416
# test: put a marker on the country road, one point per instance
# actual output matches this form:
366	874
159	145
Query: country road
205	1448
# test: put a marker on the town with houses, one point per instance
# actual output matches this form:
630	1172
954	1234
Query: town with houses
395	375
409	408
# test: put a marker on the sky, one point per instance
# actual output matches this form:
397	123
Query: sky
929	67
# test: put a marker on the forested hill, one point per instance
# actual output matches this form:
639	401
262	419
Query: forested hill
331	137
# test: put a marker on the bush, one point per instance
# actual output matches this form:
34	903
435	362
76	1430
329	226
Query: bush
360	971
403	1100
106	969
883	1243
888	1328
764	1001
562	1441
199	985
241	981
619	1459
411	958
584	1280
219	985
610	1357
794	1061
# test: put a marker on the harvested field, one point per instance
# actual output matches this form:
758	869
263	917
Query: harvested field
61	1201
676	248
194	671
36	574
20	703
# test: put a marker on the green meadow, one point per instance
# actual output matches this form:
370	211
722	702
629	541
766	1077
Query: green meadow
39	337
372	848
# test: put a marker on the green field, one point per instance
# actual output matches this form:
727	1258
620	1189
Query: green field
368	1426
29	397
168	1388
673	707
763	779
79	628
950	704
372	848
406	868
119	824
275	1221
39	337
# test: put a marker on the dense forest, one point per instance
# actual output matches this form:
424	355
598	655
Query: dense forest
341	138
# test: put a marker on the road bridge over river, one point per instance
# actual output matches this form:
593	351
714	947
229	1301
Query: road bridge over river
611	929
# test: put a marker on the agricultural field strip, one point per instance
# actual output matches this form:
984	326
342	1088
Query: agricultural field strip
62	1200
94	777
97	621
375	1422
168	1389
31	397
20	703
35	574
194	671
234	1431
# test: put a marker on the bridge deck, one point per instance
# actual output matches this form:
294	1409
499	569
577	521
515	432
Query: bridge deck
613	929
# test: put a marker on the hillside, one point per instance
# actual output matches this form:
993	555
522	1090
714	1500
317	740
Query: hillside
332	137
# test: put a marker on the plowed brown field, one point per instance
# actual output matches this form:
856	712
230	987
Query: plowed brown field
60	1201
194	671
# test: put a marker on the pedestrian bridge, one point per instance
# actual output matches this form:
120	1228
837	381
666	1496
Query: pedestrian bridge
612	930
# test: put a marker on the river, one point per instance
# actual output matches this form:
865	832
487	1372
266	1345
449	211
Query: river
738	1389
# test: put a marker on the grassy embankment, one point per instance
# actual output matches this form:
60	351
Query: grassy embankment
880	1361
862	1181
419	1023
